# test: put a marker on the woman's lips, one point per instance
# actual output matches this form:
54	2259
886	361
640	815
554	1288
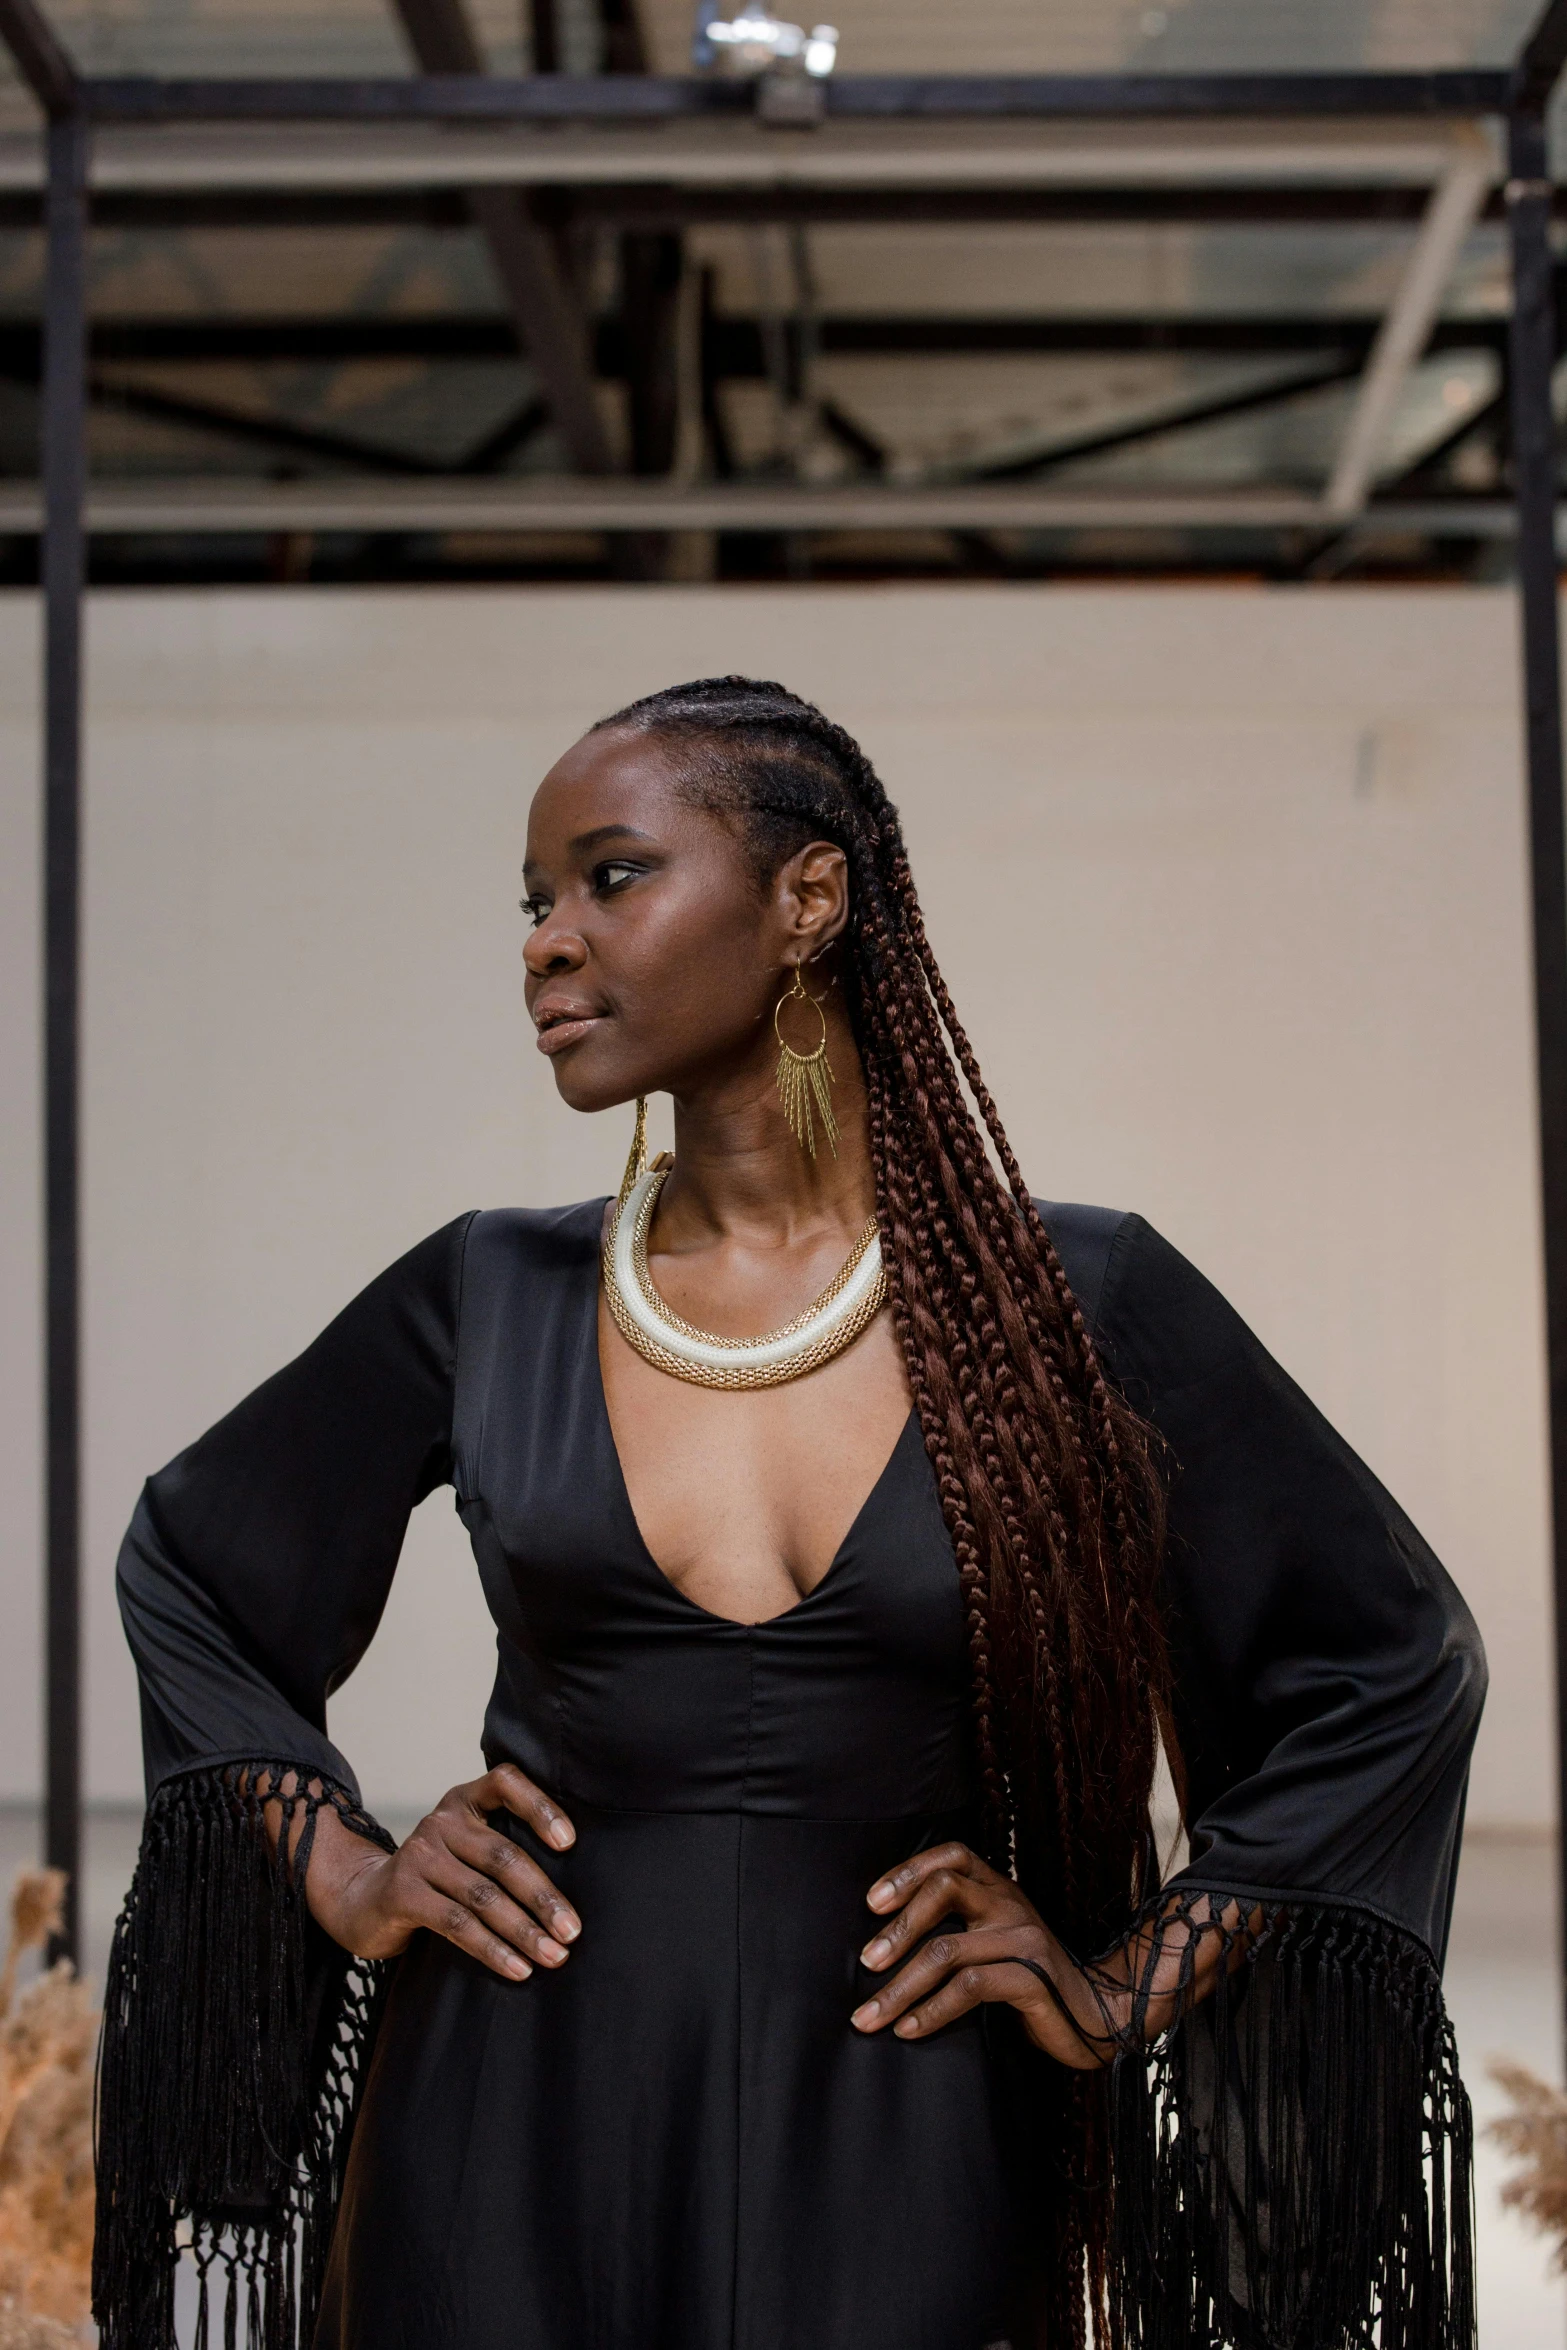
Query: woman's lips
562	1033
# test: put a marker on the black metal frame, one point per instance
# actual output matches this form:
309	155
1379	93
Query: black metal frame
64	472
1533	354
621	98
734	341
49	73
74	105
644	205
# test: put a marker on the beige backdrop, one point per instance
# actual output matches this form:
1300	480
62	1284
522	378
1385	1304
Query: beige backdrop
1228	883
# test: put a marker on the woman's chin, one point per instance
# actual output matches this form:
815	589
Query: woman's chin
582	1087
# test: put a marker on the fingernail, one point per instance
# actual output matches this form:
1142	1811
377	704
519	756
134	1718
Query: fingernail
874	1952
518	1966
879	1896
864	2017
906	2026
567	1928
551	1951
560	1834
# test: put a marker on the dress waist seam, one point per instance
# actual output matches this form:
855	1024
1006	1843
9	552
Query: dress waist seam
573	1801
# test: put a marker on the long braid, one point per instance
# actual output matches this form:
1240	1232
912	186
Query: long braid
1047	1480
903	1233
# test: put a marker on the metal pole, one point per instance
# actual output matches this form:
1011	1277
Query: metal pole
64	483
1533	354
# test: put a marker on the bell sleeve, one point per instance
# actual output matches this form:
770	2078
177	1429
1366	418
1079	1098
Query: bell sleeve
250	1583
1291	2158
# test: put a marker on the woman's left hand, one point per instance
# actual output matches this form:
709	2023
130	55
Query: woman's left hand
989	1956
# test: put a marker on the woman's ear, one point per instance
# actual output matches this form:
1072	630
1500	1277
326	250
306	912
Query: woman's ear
813	897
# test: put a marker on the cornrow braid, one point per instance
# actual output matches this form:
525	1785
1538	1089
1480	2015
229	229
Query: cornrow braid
1048	1481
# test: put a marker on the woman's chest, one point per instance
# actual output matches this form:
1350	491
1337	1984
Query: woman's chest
843	1696
745	1497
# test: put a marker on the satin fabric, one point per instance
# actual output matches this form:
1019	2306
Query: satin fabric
679	2142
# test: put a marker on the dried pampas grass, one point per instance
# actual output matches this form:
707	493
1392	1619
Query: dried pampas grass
48	2033
18	2331
1536	2133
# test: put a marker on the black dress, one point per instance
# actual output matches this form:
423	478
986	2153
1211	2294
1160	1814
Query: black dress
677	2141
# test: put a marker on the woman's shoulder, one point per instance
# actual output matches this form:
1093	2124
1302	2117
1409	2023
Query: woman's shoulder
1089	1242
504	1245
485	1248
1139	1295
541	1229
479	1236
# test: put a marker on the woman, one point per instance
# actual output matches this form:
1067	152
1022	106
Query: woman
799	1975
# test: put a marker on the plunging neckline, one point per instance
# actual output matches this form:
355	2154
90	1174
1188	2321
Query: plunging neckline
623	1494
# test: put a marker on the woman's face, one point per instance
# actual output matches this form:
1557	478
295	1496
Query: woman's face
655	960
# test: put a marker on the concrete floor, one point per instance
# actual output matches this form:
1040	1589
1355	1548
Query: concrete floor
1503	1988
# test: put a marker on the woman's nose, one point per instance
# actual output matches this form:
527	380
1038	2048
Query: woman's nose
553	947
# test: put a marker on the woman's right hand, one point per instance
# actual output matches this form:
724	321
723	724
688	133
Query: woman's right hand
454	1875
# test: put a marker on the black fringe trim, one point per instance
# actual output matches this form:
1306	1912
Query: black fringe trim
234	2039
1292	2159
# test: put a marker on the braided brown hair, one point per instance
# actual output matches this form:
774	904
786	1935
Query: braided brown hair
1048	1480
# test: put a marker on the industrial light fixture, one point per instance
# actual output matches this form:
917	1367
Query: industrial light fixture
788	64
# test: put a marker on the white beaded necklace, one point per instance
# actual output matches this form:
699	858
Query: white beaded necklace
851	1300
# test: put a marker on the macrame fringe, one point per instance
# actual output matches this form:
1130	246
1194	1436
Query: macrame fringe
234	2038
1292	2159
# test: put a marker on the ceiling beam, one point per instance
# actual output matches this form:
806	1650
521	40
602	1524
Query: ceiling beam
544	36
544	504
651	273
1188	417
1424	472
490	452
652	276
550	322
852	436
734	342
276	433
651	305
1091	205
625	49
1332	556
727	150
460	94
1103	335
663	207
1407	325
549	317
41	59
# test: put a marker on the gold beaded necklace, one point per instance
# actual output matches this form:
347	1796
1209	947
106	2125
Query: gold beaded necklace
849	1304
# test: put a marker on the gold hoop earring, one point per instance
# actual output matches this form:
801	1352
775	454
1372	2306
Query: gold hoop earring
805	1080
636	1164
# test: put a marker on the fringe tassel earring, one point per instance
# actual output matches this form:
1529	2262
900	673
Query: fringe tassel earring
805	1080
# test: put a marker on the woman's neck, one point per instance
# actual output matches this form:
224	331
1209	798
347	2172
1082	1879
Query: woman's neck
740	1172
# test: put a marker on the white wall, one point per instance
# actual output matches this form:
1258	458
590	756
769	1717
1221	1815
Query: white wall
1229	884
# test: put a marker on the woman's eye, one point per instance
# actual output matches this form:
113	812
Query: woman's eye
613	874
535	909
